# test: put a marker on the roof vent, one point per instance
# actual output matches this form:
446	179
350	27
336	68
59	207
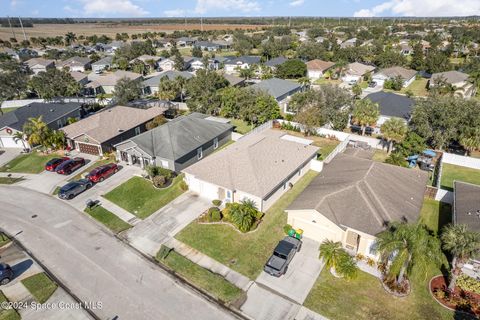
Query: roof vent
120	130
51	110
469	213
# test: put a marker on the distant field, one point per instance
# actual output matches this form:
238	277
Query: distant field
110	29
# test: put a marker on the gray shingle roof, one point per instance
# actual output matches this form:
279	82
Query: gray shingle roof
244	59
392	105
363	194
103	61
171	75
467	200
275	61
451	77
178	137
50	112
277	87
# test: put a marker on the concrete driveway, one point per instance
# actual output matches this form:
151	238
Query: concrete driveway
94	265
6	155
149	234
301	275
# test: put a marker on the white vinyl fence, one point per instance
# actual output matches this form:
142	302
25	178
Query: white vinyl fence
24	102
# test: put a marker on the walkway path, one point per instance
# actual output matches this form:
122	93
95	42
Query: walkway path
119	212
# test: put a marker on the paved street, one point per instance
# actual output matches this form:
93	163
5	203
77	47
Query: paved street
94	265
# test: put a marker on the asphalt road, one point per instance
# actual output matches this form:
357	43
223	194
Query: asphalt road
94	265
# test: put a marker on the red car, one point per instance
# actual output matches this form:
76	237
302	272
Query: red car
101	173
54	163
69	166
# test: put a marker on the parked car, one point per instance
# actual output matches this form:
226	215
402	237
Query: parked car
69	166
372	84
283	254
101	173
6	274
358	129
74	188
54	163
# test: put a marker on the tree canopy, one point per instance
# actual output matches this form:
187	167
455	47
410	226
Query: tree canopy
54	83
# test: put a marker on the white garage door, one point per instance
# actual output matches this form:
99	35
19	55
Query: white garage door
9	142
314	231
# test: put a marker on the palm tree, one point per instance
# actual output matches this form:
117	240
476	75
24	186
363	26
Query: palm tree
246	73
36	131
365	113
70	37
19	136
470	139
462	244
332	254
347	267
407	245
305	82
394	130
340	67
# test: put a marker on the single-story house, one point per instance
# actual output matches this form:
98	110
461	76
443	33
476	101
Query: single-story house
275	62
458	80
55	115
114	46
260	167
197	64
185	42
105	83
79	77
10	52
280	89
407	75
166	64
466	210
207	45
316	68
234	81
37	65
350	43
102	64
79	64
391	105
99	132
176	144
356	70
151	85
353	199
244	62
146	60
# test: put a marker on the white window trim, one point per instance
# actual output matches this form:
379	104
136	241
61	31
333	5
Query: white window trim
199	153
215	143
137	131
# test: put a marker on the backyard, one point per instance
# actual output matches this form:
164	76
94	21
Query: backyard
365	298
111	221
141	198
245	253
33	162
326	145
241	126
451	172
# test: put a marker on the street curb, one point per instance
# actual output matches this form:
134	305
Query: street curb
51	275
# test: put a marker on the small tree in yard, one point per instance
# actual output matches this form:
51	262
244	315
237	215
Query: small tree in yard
365	113
394	130
126	90
462	244
337	259
470	139
356	90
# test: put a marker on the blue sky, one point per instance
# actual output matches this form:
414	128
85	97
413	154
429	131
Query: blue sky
212	8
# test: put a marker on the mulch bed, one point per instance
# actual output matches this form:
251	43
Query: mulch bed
440	283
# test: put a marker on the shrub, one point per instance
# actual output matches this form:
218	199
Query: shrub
360	256
468	284
287	228
370	262
159	181
214	214
152	171
168	174
217	202
183	185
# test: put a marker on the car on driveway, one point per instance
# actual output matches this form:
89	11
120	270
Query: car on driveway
282	255
102	172
54	163
74	188
69	166
6	274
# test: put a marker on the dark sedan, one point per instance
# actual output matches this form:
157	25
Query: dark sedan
69	166
54	163
6	274
74	188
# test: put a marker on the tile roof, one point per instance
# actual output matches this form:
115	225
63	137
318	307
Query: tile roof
319	65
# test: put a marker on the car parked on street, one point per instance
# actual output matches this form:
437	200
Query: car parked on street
74	188
102	172
282	255
54	163
6	274
372	84
69	166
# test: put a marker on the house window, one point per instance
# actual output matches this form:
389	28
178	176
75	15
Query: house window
59	123
284	186
199	153
372	250
215	143
137	130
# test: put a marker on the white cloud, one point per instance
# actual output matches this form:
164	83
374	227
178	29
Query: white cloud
174	13
297	3
14	3
245	6
422	8
112	7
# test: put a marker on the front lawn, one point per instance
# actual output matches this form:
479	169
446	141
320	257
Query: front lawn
435	214
245	253
241	126
40	286
7	314
452	172
33	162
212	283
7	180
141	198
110	220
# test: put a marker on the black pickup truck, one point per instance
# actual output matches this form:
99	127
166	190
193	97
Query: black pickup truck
284	252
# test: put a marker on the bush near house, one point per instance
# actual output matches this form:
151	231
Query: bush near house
468	284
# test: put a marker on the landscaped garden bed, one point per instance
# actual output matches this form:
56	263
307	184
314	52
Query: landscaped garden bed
456	300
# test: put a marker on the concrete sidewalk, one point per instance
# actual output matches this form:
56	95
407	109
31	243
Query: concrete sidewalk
119	212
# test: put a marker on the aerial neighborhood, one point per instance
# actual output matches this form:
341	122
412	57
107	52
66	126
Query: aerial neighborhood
252	168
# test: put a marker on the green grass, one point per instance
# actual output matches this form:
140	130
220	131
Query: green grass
56	191
245	253
212	283
7	180
451	172
141	198
108	219
418	88
7	110
435	214
327	81
326	145
40	286
90	168
364	84
28	163
241	126
380	155
3	239
7	314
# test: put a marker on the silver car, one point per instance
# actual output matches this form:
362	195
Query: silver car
74	188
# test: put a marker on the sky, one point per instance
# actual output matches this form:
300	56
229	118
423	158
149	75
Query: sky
227	8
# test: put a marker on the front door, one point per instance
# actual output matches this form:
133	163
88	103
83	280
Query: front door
352	241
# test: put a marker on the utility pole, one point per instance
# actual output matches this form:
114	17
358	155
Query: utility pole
21	24
11	29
